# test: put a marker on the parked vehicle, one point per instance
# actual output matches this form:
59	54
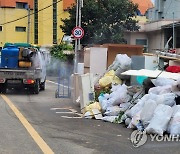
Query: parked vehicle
22	67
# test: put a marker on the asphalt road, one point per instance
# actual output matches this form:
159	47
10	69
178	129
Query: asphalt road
49	124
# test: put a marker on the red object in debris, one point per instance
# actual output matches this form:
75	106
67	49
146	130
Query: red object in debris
173	69
172	50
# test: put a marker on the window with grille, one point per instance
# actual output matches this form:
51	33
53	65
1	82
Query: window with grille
143	42
20	29
21	5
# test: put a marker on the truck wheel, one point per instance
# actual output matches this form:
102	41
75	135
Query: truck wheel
3	88
42	86
36	87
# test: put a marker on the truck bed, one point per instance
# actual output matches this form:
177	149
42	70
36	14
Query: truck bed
20	73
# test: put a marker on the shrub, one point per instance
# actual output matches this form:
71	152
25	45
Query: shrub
57	51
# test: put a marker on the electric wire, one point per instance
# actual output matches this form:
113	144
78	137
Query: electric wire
30	13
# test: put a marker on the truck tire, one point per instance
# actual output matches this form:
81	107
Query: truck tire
3	88
37	87
43	85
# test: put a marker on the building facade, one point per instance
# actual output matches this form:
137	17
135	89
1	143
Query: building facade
155	33
140	37
12	30
164	9
47	22
143	6
33	21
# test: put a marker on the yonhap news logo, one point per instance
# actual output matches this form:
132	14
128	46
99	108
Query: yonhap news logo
139	138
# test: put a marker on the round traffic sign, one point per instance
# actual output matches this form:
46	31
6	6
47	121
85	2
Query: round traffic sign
78	32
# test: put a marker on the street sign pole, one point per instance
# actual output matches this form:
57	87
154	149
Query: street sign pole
80	5
78	33
76	42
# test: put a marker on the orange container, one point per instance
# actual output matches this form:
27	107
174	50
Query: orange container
25	64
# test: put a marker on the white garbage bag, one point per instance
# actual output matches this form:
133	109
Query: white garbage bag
160	90
127	121
104	104
123	60
101	98
147	112
109	118
149	96
88	115
135	109
131	125
167	99
119	96
174	125
160	119
162	82
114	65
115	87
176	109
136	118
112	111
124	106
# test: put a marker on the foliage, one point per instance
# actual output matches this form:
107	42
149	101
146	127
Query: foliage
118	119
102	91
57	51
103	21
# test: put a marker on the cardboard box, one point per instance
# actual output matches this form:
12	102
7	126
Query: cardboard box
174	63
114	49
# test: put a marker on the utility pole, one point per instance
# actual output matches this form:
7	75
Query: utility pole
76	41
28	27
79	5
173	7
173	33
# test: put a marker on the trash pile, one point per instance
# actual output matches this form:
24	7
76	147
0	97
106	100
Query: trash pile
153	106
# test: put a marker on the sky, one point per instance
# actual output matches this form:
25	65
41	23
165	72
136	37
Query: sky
153	1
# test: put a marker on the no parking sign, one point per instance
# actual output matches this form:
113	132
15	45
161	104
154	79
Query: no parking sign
78	32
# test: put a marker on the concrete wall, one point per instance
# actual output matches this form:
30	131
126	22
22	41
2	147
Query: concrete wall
157	25
155	40
135	36
164	10
153	32
131	37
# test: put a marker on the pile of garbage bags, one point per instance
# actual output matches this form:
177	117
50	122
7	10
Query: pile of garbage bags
156	111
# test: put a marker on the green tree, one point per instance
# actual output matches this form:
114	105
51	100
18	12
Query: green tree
104	21
57	51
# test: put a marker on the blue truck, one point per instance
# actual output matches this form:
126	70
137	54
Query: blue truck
22	67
